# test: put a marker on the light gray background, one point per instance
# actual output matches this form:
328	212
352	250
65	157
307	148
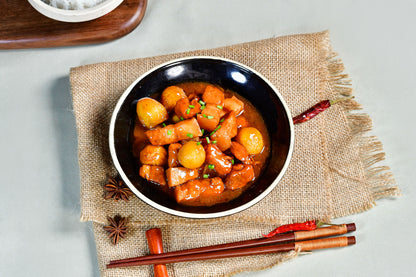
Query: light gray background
39	200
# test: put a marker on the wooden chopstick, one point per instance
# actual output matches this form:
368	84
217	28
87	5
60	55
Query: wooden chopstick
154	241
240	252
288	237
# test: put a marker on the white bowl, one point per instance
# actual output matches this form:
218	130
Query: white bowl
75	15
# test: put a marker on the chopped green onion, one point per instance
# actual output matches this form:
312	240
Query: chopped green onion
206	176
198	143
188	110
182	118
191	106
232	161
169	132
201	102
219	107
207	139
211	166
216	129
163	124
202	131
214	141
222	120
204	115
210	117
189	135
202	107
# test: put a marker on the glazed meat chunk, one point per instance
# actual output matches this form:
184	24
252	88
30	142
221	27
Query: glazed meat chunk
234	104
179	175
221	162
213	95
153	155
239	176
240	152
209	117
242	122
153	173
226	132
173	154
196	188
174	132
187	109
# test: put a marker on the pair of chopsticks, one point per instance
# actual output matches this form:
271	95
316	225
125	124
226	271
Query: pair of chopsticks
298	240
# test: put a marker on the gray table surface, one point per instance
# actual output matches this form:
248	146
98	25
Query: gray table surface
41	234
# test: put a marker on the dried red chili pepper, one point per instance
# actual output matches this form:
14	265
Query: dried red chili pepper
305	226
316	109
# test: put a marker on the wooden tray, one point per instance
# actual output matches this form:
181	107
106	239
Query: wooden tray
21	26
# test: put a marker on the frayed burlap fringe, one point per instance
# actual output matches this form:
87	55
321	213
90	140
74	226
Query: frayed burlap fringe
379	179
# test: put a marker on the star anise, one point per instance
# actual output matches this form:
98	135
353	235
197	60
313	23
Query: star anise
116	228
116	189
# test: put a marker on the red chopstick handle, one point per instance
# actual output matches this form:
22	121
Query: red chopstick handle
154	240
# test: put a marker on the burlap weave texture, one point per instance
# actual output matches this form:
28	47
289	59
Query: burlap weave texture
331	174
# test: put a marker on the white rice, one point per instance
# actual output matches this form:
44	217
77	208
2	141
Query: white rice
73	4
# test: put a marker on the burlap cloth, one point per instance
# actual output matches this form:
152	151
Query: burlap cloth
333	171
